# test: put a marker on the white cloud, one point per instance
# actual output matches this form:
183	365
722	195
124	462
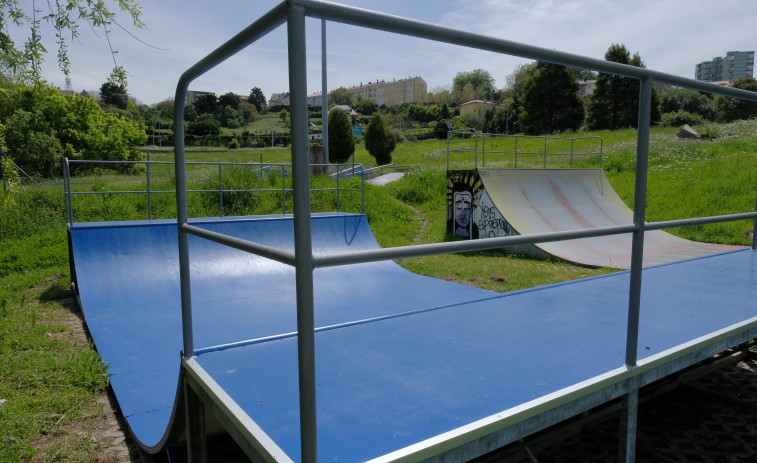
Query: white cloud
670	36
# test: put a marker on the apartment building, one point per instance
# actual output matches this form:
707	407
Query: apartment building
734	65
394	93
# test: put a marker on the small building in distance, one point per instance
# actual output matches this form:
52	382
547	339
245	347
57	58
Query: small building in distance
475	105
394	93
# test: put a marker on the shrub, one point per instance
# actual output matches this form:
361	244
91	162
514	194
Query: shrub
679	118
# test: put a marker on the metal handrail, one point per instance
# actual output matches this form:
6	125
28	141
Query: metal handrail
545	152
281	167
293	14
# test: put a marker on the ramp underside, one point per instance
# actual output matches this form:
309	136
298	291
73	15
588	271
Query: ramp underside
549	200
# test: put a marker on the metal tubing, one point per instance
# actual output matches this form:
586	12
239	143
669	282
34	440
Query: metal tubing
545	152
149	196
324	95
516	152
418	250
628	425
409	27
67	187
303	246
243	245
220	188
283	191
639	212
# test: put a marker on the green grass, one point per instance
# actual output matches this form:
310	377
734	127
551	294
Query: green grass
48	381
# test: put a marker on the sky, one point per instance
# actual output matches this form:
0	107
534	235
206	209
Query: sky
670	36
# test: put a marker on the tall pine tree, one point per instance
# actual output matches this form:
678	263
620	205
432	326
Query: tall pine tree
550	101
615	101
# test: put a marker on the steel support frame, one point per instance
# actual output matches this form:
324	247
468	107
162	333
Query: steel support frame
293	12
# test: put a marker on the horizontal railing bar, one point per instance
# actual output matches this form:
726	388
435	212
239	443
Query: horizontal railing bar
700	221
418	250
262	250
424	30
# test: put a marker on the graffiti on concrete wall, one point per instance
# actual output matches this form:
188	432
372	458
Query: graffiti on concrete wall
471	214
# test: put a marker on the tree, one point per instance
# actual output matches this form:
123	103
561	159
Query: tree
731	109
206	104
258	100
284	116
15	19
341	141
550	101
342	96
42	125
379	140
481	82
682	99
112	93
515	87
229	99
366	107
205	125
615	101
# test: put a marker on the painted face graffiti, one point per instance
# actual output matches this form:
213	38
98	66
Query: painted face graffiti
462	201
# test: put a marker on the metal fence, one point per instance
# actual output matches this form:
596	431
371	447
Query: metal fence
293	13
280	169
505	148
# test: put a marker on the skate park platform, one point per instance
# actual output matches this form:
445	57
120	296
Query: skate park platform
408	366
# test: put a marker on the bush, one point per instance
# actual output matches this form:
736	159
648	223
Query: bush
341	141
679	118
43	125
379	140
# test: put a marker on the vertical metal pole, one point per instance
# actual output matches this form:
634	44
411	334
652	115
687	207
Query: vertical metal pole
475	160
220	187
284	189
149	195
639	215
303	246
628	426
449	134
324	95
337	187
545	152
627	447
182	218
516	151
67	187
483	150
601	149
572	142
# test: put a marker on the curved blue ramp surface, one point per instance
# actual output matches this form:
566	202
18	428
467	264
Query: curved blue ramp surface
128	281
407	366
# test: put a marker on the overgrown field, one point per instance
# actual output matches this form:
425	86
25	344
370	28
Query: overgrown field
48	380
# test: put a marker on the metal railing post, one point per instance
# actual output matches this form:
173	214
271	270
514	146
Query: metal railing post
572	143
283	190
303	246
475	159
67	189
324	95
220	187
337	188
449	135
628	420
516	152
545	152
149	196
483	150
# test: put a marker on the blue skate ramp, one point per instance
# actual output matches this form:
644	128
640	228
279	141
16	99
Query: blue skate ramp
127	275
450	364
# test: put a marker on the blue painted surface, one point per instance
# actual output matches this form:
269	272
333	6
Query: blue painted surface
386	384
128	282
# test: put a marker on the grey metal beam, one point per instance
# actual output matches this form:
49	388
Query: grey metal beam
243	245
324	95
303	246
329	260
